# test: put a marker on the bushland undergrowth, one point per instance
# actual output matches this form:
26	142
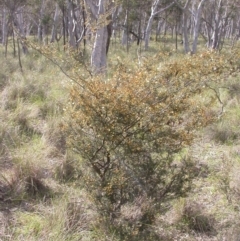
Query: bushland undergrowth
131	129
144	153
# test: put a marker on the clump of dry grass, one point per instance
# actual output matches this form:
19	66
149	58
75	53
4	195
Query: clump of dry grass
234	89
21	120
5	222
66	170
78	216
11	186
3	80
10	137
223	134
21	90
233	234
197	219
22	183
135	220
34	187
9	66
226	131
54	135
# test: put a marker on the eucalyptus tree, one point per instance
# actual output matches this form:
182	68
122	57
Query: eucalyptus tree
55	23
43	21
192	9
185	16
71	24
197	15
133	22
12	16
154	11
9	8
102	11
224	12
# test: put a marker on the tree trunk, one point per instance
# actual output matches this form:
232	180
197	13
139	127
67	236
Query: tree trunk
84	26
55	24
4	25
185	33
154	12
109	35
99	56
21	28
148	31
197	20
124	33
217	26
158	30
71	25
64	26
40	22
14	43
185	11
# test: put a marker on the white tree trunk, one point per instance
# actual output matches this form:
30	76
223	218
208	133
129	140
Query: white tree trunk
55	23
185	33
150	22
4	25
185	11
217	26
22	28
40	22
197	19
99	53
148	31
154	12
124	33
71	25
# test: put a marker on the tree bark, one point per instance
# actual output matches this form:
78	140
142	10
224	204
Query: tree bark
185	32
21	28
148	31
197	19
124	33
99	56
40	22
185	11
4	25
55	24
154	12
71	25
216	32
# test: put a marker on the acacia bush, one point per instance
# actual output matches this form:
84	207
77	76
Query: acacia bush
131	129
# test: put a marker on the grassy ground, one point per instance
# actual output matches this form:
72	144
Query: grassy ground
41	195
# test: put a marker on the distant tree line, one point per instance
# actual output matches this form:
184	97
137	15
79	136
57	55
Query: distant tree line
77	23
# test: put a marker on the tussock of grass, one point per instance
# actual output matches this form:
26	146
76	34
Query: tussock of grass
68	217
223	134
35	187
193	215
54	136
67	171
226	131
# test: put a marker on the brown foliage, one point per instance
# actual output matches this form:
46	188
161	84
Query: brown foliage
129	129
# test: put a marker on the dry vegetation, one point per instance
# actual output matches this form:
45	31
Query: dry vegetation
43	190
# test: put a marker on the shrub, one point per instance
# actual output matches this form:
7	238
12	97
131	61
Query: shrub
130	130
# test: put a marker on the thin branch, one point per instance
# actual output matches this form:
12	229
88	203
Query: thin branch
218	97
